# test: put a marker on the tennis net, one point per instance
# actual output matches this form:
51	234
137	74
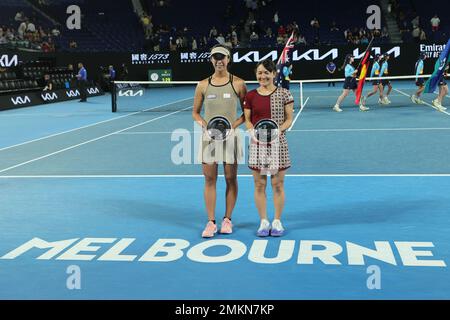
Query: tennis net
148	96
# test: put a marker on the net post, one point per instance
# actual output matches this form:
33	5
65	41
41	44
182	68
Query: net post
113	97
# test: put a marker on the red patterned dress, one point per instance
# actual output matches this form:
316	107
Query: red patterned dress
274	156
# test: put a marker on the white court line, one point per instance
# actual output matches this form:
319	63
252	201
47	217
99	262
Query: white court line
38	114
430	105
373	129
154	132
90	125
89	141
334	96
301	130
292	125
139	176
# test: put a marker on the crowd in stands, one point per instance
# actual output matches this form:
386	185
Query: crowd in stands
252	30
25	33
244	23
417	28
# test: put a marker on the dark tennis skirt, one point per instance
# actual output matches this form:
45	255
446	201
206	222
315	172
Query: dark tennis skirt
385	82
420	82
442	83
350	83
375	82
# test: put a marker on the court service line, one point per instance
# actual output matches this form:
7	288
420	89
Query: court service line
90	125
371	129
430	105
139	176
300	130
292	125
89	141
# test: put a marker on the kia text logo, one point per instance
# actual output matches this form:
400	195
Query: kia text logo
309	55
131	93
20	100
72	93
92	90
7	61
49	96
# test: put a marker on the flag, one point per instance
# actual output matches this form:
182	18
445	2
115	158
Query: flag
439	67
284	65
363	74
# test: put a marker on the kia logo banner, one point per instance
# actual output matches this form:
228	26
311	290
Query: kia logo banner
7	61
72	93
16	100
131	93
20	100
49	96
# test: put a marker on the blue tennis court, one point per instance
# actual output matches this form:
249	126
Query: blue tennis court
85	187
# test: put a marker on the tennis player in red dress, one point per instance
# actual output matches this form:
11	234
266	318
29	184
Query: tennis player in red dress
277	104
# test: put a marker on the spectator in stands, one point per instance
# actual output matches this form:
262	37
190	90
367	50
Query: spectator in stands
423	35
48	83
333	27
31	27
123	72
172	44
213	32
276	18
56	32
269	34
254	36
316	26
301	40
295	27
73	44
220	39
315	23
20	16
82	82
3	39
194	44
45	47
364	40
228	42
281	31
280	40
416	33
384	33
416	20
435	22
22	29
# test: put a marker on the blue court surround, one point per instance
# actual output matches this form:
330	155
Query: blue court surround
357	177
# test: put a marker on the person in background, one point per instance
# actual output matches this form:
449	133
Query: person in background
111	76
420	82
48	83
435	22
350	83
82	81
375	83
123	72
385	82
331	68
443	90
